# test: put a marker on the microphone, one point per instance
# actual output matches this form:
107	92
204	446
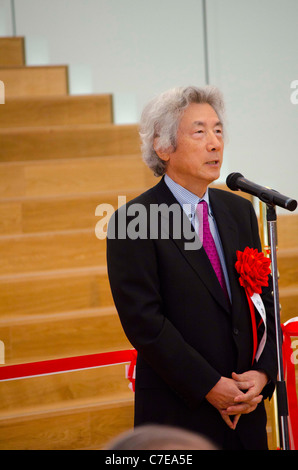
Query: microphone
236	182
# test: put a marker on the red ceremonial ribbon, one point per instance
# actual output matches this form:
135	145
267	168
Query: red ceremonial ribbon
131	370
253	268
290	329
68	364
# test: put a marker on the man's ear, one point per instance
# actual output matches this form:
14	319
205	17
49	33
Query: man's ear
162	153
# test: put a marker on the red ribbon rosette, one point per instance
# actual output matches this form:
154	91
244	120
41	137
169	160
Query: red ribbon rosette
253	268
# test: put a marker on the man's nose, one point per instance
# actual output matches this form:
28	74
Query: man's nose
213	143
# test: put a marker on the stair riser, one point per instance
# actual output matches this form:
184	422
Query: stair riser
12	51
70	336
53	293
67	213
75	177
51	251
57	111
64	389
79	429
65	142
34	81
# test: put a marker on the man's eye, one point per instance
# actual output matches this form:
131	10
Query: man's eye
218	131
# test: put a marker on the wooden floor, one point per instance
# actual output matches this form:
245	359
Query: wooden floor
60	157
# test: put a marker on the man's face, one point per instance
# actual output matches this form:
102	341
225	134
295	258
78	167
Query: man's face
197	159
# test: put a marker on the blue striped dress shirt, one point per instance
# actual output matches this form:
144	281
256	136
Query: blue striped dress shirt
189	202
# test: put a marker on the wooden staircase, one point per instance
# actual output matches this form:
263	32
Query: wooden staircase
60	157
287	256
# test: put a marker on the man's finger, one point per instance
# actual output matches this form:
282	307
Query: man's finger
227	419
235	420
245	385
245	407
246	397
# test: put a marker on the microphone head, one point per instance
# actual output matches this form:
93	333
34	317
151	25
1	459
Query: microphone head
232	180
291	205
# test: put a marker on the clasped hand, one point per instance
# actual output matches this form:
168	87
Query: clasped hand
238	395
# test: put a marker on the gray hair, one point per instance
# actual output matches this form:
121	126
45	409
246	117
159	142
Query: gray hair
160	437
161	118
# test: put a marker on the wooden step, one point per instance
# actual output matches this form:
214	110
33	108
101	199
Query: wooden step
64	387
85	425
42	337
288	302
57	111
287	263
287	229
12	51
64	212
29	335
45	143
37	214
58	250
56	291
35	80
72	289
74	176
51	250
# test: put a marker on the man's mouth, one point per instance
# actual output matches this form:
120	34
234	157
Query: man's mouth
213	162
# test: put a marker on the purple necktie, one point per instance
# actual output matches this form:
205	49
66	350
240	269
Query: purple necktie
210	248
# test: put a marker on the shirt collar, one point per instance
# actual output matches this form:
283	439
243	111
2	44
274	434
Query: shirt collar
186	199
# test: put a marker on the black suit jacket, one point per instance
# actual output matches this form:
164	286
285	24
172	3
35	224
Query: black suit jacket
175	314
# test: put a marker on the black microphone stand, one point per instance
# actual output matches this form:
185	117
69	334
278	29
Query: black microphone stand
271	198
281	391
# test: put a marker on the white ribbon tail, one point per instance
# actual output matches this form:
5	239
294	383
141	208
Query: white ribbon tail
258	303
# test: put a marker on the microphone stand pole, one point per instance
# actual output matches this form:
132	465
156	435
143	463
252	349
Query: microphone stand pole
281	391
266	250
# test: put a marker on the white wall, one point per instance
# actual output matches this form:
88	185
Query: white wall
137	48
131	48
5	18
253	53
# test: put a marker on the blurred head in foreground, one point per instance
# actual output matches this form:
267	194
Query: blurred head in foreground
158	437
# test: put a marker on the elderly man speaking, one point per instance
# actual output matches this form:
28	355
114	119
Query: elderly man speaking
201	365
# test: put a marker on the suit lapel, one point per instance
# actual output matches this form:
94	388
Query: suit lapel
197	258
